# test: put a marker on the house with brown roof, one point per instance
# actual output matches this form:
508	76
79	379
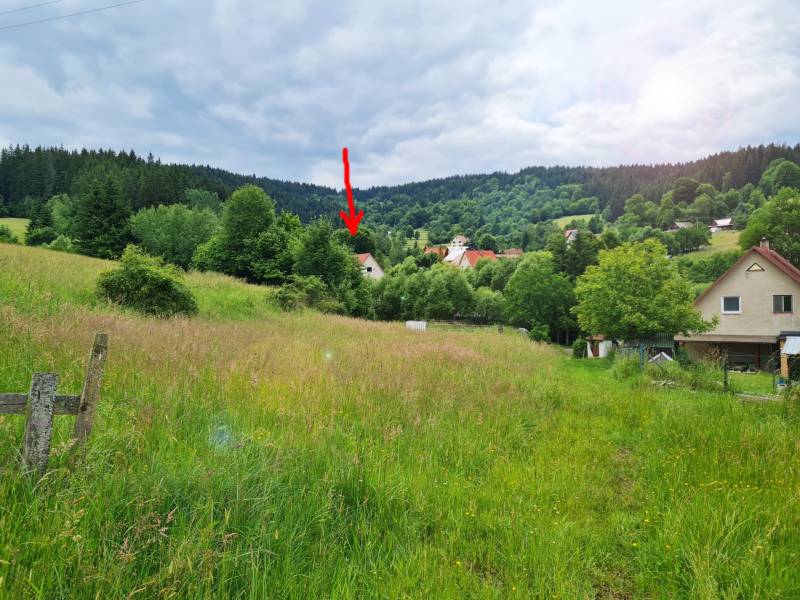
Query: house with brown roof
369	266
756	303
469	258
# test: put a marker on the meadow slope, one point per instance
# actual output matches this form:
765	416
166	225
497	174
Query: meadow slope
248	453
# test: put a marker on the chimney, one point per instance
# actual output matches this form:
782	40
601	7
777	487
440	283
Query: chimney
764	243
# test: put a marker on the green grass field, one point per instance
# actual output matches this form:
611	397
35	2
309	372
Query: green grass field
720	241
563	221
423	239
17	227
248	453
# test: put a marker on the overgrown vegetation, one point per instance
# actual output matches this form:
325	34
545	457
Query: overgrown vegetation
304	455
145	284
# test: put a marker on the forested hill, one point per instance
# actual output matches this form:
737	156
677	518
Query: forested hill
506	202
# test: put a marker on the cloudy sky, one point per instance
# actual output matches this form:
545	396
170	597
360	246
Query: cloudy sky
415	89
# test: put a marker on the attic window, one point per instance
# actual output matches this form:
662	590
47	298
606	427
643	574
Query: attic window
755	267
369	269
731	305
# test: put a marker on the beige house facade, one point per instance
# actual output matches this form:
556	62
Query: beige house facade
756	303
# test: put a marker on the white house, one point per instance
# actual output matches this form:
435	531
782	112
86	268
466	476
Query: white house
721	224
460	241
370	266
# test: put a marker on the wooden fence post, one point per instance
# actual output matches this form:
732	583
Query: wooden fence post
39	426
91	389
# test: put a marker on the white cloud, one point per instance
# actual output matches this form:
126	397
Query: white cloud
415	89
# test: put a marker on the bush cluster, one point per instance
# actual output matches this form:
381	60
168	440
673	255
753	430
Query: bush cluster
147	285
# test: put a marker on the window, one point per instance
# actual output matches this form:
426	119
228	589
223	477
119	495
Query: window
369	269
731	305
782	304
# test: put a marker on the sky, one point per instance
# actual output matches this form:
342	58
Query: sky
415	90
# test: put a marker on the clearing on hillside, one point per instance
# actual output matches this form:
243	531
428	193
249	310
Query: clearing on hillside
720	241
248	453
17	227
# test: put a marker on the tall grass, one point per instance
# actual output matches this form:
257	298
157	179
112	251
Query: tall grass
251	454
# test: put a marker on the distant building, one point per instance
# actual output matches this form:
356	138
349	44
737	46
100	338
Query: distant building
370	266
756	304
511	253
570	235
460	241
721	224
469	258
441	251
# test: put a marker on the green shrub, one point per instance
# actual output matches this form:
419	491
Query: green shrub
625	366
6	236
302	291
40	236
579	348
61	244
144	283
702	375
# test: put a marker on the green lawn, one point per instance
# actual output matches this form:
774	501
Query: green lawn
564	221
423	239
752	383
249	453
17	227
720	241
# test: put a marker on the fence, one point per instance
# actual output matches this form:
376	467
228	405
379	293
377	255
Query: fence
41	403
749	373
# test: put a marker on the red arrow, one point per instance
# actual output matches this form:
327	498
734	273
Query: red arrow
350	220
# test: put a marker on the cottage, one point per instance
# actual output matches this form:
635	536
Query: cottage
721	224
511	253
570	235
469	258
369	266
755	302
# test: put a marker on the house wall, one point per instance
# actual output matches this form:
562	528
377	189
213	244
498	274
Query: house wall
756	289
376	272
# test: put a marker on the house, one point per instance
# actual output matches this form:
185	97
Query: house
440	251
756	304
720	224
453	255
460	241
511	253
369	266
469	258
570	235
597	346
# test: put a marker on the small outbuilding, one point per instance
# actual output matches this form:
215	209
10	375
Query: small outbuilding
369	266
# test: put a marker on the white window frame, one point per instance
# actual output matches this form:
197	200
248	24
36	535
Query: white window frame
730	312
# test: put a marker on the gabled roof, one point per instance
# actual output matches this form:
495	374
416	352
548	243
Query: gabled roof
569	232
723	222
473	256
776	259
362	258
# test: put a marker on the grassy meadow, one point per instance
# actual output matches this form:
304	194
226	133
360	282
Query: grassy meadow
248	453
720	241
564	221
18	227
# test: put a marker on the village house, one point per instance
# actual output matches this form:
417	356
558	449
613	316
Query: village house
721	224
369	266
511	253
570	235
469	258
756	304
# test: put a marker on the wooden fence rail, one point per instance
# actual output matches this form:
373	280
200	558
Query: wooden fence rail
41	403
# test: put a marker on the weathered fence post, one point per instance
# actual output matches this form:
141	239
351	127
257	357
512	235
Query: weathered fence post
91	389
39	426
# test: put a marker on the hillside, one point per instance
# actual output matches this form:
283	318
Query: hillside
251	453
501	199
